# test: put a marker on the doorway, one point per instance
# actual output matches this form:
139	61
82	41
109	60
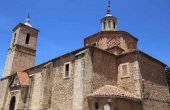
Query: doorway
12	103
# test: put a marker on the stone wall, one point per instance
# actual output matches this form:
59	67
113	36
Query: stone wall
115	104
62	87
90	69
34	101
8	64
155	88
132	81
22	33
3	90
104	69
21	56
88	73
22	61
51	89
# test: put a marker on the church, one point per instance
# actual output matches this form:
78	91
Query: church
108	73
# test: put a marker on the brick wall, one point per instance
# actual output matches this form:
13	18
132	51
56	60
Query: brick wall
109	39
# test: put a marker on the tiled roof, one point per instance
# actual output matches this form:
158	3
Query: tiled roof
23	78
112	91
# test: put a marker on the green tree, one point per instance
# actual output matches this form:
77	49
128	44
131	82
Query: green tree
168	76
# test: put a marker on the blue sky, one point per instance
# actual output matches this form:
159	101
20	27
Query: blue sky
63	24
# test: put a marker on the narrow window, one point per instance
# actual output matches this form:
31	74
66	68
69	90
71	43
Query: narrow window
109	24
114	24
125	70
27	39
104	25
67	68
13	43
94	44
96	106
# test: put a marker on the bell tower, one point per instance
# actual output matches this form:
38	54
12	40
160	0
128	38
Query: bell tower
22	51
109	22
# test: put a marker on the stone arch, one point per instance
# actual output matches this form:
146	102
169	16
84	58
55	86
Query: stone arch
12	103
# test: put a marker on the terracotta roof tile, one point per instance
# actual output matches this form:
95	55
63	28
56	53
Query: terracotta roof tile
23	78
112	91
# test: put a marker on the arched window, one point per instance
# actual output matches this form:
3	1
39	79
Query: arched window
109	24
27	39
12	103
96	106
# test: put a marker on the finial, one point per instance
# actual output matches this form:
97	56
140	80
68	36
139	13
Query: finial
27	21
108	9
28	18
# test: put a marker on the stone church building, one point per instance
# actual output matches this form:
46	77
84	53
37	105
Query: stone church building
108	73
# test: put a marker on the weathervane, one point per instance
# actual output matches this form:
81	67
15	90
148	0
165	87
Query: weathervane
108	9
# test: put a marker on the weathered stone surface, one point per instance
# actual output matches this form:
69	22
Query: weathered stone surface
66	82
154	84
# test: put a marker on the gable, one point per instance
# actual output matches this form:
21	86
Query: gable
20	79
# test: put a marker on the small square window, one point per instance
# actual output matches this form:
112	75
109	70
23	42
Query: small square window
124	69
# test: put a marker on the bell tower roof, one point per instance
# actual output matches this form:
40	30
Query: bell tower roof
26	24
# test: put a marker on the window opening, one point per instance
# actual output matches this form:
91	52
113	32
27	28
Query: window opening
114	24
94	44
104	25
12	103
27	39
96	106
109	24
13	43
67	68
